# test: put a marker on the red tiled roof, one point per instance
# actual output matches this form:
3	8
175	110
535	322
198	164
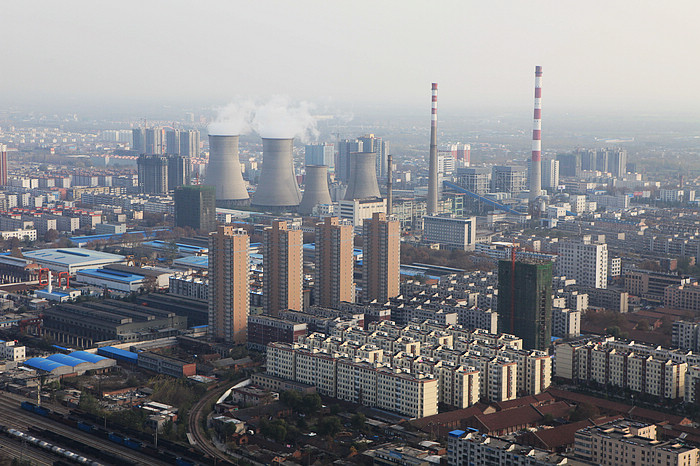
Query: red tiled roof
451	418
542	398
561	436
634	412
516	418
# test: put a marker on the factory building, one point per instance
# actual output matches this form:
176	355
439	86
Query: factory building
72	259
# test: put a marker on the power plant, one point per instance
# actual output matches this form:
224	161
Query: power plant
432	205
224	171
536	167
315	188
363	176
277	187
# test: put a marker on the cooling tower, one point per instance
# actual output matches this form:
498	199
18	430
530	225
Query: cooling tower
224	171
363	176
316	188
277	186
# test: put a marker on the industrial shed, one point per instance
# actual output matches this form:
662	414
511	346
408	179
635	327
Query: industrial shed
46	365
79	366
98	362
118	354
112	279
72	259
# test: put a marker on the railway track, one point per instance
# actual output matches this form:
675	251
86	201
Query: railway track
22	420
194	426
13	449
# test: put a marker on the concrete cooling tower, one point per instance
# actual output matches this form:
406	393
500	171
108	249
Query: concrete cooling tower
363	176
224	171
277	187
316	188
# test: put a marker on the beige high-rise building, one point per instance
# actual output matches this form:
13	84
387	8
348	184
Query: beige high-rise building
381	254
334	263
229	293
282	268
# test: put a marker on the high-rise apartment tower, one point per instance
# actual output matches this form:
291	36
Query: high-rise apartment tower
282	268
229	292
334	263
381	253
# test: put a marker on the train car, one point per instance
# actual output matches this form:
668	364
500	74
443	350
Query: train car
183	462
133	444
115	438
27	406
41	411
85	427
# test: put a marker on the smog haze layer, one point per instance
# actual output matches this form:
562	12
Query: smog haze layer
600	59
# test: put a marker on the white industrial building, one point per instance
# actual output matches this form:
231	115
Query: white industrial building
72	259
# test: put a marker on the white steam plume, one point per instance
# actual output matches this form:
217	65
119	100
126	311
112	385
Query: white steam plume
233	119
277	118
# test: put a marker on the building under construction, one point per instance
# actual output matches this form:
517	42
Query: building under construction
525	301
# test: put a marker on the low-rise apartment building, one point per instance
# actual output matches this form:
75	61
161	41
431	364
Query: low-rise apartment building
465	366
631	443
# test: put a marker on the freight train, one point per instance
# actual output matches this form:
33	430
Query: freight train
55	449
136	440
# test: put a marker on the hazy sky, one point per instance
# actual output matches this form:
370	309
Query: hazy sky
615	55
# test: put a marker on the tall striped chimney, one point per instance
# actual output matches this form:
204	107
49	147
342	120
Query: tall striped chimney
432	206
536	164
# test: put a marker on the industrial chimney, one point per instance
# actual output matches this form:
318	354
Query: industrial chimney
224	171
277	187
432	205
536	162
363	176
316	188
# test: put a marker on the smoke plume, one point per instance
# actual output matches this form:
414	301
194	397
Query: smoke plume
278	118
233	119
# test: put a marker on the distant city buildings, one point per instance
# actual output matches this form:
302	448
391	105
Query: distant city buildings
506	179
320	154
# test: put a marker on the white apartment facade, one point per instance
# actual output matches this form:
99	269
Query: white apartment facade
585	262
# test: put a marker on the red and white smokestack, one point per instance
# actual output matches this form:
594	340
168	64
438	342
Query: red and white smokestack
432	204
536	161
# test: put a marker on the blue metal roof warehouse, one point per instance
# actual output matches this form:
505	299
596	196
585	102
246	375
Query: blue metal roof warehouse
43	364
118	354
66	360
85	356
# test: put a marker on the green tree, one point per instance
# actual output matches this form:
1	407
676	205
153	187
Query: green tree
358	421
311	403
291	398
50	236
584	411
643	325
330	426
